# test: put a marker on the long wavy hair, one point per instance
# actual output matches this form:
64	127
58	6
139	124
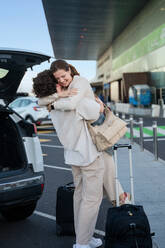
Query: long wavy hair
63	65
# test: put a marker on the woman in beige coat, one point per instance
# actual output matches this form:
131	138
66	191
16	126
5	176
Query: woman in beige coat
88	165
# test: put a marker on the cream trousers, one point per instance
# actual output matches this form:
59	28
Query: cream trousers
88	195
109	178
90	181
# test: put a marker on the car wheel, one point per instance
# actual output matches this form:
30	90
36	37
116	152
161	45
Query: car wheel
29	119
58	230
18	212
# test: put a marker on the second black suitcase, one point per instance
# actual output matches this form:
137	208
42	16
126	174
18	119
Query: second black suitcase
64	210
127	226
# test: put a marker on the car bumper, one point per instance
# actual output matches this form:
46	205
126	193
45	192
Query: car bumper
21	191
41	116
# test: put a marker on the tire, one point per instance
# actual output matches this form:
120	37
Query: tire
29	119
19	212
58	230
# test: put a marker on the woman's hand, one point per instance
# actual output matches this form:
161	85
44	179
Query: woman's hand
49	108
65	93
62	93
101	104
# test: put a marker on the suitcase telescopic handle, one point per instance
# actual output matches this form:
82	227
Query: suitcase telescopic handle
116	146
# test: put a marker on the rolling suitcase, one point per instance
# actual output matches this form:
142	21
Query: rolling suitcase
127	226
64	210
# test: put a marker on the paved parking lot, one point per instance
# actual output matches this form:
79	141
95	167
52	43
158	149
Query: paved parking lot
38	231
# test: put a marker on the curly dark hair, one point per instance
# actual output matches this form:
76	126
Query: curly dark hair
44	84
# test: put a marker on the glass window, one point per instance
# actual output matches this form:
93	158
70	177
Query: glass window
15	104
25	102
3	72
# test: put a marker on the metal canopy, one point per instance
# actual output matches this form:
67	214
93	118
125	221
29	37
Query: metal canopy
84	29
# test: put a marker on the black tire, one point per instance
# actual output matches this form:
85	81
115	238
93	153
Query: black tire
19	212
29	119
58	230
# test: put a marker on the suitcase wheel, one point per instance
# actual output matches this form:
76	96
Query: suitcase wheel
58	230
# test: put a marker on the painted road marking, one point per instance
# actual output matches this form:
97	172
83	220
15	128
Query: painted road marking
147	132
49	135
48	216
160	131
151	139
45	140
52	146
51	217
57	167
45	126
40	132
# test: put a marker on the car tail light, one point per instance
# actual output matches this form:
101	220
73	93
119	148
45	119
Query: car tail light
38	123
35	128
36	108
42	187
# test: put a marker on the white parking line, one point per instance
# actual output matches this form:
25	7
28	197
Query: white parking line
51	217
52	146
48	216
48	134
152	139
56	167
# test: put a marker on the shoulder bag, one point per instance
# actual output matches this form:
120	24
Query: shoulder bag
109	132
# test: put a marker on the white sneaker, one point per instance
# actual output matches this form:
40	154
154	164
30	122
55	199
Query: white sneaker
95	242
81	246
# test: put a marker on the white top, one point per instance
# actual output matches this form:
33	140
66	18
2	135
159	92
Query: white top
68	120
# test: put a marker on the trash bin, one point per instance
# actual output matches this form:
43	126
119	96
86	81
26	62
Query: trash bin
155	110
163	108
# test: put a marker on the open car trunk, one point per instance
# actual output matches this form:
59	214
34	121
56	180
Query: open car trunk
13	155
13	65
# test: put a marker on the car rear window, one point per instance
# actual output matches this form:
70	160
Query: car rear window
3	72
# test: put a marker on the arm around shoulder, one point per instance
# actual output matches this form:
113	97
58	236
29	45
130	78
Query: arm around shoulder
44	101
82	85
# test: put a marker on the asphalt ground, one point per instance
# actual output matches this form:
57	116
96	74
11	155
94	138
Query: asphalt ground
147	133
39	230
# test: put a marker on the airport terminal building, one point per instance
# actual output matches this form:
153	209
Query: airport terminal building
126	38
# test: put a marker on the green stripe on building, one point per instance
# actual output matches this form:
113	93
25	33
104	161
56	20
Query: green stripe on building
151	42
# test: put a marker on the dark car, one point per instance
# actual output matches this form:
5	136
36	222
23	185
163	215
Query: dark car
21	161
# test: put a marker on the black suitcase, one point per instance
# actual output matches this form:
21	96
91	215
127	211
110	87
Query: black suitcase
64	210
127	226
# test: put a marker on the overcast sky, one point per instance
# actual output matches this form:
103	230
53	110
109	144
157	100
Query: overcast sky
23	25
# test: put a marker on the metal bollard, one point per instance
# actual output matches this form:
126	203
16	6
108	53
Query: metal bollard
123	116
155	143
141	134
131	128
